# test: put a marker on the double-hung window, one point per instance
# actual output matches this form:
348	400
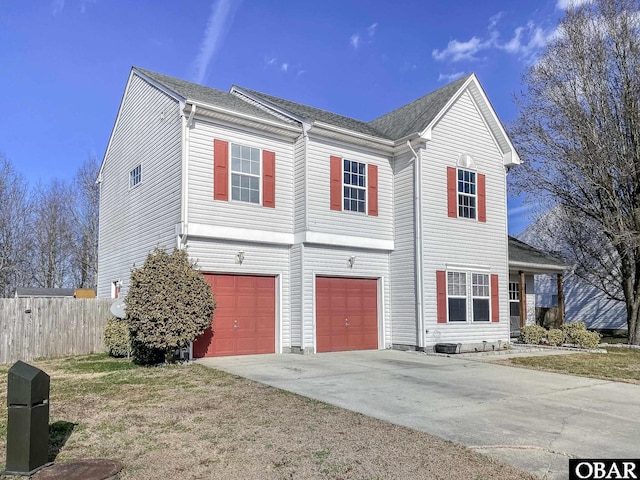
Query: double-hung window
480	294
514	299
466	193
135	176
245	174
354	186
468	297
457	296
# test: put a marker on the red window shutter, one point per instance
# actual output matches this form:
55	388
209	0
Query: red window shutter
336	183
441	295
482	198
495	303
372	189
220	170
268	179
452	192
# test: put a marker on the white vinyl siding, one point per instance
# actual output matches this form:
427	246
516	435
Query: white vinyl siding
295	256
327	261
133	221
477	244
299	169
320	216
204	210
221	257
403	274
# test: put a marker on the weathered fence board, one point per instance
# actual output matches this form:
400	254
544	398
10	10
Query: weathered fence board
51	327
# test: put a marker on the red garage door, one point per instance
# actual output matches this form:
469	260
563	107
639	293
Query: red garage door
245	318
346	314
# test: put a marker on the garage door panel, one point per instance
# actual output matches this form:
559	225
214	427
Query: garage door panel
244	320
346	314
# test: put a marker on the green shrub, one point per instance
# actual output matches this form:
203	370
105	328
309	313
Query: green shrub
586	339
555	337
571	330
169	304
117	338
532	334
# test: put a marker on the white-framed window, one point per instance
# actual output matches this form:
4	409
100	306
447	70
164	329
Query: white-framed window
480	297
354	186
245	173
514	299
457	296
468	296
467	194
135	176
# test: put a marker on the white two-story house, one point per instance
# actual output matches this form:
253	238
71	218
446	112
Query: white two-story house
317	232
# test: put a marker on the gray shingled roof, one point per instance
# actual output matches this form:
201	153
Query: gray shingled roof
397	124
318	115
211	96
415	116
521	252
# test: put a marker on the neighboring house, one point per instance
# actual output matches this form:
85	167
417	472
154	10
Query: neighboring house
317	232
583	302
27	292
526	265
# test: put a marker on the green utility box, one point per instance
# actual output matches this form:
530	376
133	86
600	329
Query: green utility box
28	419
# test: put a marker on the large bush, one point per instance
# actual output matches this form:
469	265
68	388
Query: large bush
169	304
572	331
532	334
555	337
117	338
586	339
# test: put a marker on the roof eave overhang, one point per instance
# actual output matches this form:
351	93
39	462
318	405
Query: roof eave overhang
213	111
540	268
362	139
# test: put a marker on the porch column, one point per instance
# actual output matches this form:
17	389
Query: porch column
522	295
560	300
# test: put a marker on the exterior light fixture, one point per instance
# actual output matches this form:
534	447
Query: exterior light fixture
352	260
240	257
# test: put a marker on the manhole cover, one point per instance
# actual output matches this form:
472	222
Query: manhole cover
94	469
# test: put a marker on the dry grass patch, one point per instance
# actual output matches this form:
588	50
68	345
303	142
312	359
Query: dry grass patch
192	422
619	364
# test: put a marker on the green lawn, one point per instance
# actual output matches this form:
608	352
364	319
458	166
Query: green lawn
618	364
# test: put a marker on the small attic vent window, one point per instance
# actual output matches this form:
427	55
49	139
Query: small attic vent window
135	176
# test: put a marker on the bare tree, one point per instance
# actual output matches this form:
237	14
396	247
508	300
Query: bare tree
578	130
15	214
53	245
85	216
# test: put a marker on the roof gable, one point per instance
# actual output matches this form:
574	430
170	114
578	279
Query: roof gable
415	116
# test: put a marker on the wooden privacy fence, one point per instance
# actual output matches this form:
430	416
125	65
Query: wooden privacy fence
51	327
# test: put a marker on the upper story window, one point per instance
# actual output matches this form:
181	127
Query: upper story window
250	173
135	176
245	173
466	193
354	186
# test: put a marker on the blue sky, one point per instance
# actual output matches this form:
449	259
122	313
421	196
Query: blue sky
64	63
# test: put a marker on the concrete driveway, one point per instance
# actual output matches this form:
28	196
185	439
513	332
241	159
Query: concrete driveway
533	420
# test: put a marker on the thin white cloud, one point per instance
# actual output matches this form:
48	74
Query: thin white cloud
449	77
300	72
355	41
271	60
220	19
284	67
525	42
371	30
565	4
457	50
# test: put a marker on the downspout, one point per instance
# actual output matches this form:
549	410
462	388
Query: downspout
184	210
305	138
417	209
